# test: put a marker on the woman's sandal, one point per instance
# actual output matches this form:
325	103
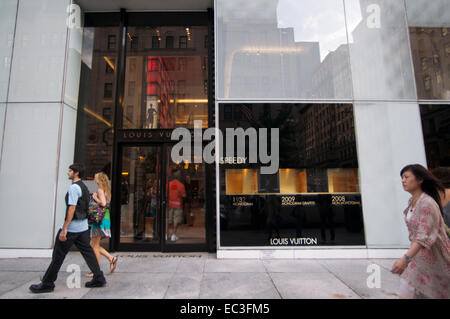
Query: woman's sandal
113	264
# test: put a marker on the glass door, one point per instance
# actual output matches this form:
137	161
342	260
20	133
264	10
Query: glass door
185	204
162	202
140	196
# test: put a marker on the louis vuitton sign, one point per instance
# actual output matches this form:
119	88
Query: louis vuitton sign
163	135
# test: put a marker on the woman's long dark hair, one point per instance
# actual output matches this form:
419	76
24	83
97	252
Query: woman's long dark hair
430	185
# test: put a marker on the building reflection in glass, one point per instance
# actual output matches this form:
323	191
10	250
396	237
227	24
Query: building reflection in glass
436	134
165	86
314	194
283	49
96	100
431	56
166	81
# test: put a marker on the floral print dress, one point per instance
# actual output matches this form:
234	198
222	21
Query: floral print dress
429	270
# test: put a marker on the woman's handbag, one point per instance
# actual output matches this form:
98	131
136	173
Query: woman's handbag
96	212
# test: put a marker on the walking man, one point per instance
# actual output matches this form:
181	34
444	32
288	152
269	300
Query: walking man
74	231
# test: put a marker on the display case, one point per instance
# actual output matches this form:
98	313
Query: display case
241	181
290	181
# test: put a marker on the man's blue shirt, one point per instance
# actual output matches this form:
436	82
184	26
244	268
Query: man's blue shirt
76	225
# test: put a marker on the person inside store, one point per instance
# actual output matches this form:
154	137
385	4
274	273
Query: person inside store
187	202
177	192
425	268
103	198
75	230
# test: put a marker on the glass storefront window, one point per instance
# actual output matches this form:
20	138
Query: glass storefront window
436	134
165	86
96	100
431	55
282	49
429	29
7	22
427	13
312	198
380	57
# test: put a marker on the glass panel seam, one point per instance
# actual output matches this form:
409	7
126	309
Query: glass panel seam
9	84
58	156
349	51
60	128
408	39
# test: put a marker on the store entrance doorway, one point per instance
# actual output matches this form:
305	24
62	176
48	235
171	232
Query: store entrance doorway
149	73
162	203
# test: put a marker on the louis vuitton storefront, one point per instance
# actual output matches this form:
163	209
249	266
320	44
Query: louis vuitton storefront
144	74
314	106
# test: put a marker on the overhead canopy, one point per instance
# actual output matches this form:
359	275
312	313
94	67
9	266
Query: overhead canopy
144	5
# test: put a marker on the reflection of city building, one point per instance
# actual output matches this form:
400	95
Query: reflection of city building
265	60
272	67
431	57
329	135
175	84
322	134
175	78
333	74
317	137
375	46
436	134
296	65
97	101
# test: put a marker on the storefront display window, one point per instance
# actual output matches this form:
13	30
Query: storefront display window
312	199
96	100
436	134
166	88
429	26
282	49
431	56
8	14
380	56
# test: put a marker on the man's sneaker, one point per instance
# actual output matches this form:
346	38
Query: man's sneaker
95	283
41	288
174	237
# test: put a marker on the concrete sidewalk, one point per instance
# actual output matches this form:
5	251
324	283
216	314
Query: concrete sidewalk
202	275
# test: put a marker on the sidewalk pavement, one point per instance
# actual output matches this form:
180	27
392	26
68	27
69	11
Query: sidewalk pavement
202	275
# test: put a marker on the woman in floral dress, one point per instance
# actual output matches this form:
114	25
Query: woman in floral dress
425	268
